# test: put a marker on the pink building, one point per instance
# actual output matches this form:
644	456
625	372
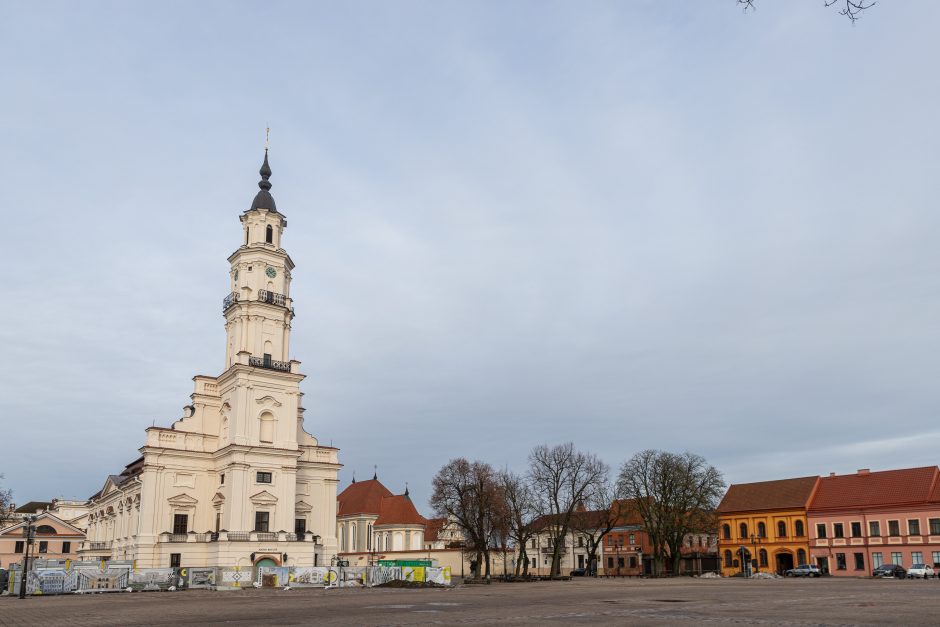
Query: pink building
858	522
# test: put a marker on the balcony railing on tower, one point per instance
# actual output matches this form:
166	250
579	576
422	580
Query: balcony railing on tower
229	300
272	297
267	362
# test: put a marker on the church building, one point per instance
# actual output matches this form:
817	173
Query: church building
236	481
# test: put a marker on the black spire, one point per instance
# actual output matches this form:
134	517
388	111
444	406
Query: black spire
375	473
406	489
264	199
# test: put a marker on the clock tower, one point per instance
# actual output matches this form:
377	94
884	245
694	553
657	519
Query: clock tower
236	480
258	310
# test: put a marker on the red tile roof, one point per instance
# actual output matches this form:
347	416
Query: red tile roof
872	489
362	497
433	529
768	495
371	497
399	510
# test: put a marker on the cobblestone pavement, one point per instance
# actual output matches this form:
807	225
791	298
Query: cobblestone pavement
633	602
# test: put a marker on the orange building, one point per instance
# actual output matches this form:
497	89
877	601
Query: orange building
764	525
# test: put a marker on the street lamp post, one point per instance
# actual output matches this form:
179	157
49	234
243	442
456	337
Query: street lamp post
755	540
30	532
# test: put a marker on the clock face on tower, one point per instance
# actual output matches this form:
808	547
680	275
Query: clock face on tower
271	272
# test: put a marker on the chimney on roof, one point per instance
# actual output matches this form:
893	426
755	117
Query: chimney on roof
864	471
832	474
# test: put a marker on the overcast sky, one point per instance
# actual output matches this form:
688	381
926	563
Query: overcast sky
626	224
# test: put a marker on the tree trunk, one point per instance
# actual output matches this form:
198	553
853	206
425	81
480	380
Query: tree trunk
487	558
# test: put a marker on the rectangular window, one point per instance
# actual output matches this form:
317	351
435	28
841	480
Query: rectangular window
43	546
897	559
913	527
300	526
859	561
175	560
632	539
837	530
610	562
632	561
840	561
619	562
936	558
580	542
180	523
876	560
263	477
218	521
66	547
917	557
820	530
935	526
261	521
18	547
874	528
222	479
894	528
856	530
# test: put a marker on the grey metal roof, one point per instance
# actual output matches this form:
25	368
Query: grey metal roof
264	199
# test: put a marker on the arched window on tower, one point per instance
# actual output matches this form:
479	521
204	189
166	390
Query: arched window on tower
761	530
781	529
726	531
743	530
269	234
267	427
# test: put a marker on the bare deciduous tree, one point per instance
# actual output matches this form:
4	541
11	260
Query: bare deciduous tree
562	478
469	493
6	505
521	512
675	494
604	511
850	8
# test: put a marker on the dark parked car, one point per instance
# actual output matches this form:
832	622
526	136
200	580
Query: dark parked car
889	570
578	572
804	570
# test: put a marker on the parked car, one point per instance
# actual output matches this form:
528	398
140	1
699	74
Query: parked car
889	570
918	571
578	572
804	570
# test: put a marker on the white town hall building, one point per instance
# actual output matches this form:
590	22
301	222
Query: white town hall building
236	481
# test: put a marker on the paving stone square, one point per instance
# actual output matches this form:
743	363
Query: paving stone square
682	601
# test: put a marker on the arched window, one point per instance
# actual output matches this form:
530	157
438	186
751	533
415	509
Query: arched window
761	530
45	530
800	557
388	542
267	427
729	559
743	530
799	529
246	236
353	544
726	531
762	556
781	529
269	234
369	537
342	538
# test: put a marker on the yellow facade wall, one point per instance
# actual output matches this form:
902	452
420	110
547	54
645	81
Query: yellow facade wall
762	534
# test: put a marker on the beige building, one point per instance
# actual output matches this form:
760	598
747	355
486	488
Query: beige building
54	539
236	480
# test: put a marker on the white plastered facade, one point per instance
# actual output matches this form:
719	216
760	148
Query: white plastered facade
250	482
